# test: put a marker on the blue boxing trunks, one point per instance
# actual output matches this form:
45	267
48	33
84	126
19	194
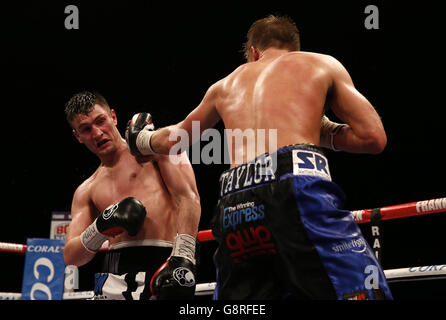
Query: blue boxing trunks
281	233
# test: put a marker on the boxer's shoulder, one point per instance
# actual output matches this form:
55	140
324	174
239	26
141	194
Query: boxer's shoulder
88	183
84	192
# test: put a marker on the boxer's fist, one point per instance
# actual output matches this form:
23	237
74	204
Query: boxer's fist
138	133
174	280
328	131
125	215
176	277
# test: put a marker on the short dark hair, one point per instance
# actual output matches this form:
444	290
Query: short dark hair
83	103
273	31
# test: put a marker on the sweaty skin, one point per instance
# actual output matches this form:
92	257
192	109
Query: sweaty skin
167	191
288	92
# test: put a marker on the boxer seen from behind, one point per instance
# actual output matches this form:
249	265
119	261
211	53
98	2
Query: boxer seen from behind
147	208
281	231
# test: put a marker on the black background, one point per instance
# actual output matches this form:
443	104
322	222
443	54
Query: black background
162	57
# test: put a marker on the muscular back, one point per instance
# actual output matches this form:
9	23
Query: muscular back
286	93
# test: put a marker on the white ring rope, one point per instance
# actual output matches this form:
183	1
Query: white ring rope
202	289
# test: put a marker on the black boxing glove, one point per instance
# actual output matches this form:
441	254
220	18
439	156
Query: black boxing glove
175	279
125	215
138	134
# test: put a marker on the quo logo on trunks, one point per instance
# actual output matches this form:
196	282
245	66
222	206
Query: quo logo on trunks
250	241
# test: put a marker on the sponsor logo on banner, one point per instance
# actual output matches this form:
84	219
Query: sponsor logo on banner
358	215
431	205
59	225
44	271
433	268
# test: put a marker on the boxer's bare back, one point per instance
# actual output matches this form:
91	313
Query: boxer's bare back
286	92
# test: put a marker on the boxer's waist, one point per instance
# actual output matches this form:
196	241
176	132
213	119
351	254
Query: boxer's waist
131	256
140	243
288	161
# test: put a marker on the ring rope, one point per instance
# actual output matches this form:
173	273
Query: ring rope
361	216
392	275
403	210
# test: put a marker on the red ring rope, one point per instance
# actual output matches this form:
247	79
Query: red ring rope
205	235
361	216
403	210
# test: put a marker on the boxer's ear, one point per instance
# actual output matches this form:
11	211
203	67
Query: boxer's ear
77	136
255	55
114	117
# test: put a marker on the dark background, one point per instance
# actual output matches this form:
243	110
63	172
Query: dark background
161	58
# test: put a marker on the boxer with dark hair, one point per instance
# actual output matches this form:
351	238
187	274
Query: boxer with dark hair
147	209
281	230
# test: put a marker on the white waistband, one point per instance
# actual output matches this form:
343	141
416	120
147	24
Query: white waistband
138	243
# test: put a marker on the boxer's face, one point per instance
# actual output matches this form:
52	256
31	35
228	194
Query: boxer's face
97	130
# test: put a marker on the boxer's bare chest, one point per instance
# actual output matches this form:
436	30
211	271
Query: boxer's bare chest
127	178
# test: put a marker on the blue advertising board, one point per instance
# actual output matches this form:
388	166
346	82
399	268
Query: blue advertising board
44	271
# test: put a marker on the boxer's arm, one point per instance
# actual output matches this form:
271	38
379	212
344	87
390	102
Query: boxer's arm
365	132
206	113
81	217
179	178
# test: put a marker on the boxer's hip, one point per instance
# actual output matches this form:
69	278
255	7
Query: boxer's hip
131	256
128	267
259	197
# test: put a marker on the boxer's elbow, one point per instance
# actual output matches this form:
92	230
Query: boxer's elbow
376	142
70	262
69	257
75	255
